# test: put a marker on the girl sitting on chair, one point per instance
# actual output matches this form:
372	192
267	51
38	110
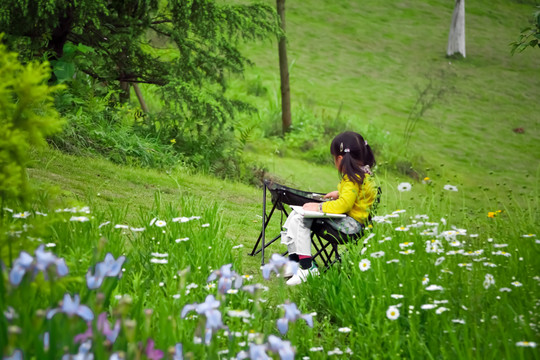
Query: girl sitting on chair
356	194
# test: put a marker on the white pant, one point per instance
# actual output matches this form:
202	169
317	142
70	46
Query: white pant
297	234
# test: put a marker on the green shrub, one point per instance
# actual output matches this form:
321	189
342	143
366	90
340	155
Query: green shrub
97	127
27	116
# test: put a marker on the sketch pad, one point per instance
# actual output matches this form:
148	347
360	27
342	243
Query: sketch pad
315	214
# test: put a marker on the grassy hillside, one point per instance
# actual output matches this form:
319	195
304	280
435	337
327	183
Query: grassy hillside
435	278
368	61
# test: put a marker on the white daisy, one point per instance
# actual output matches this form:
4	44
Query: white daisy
450	187
364	264
396	296
434	287
526	344
458	321
488	281
336	351
406	244
440	310
516	283
407	252
344	330
439	261
159	261
392	313
160	223
377	254
428	306
502	253
402	228
425	280
79	218
22	215
404	186
160	255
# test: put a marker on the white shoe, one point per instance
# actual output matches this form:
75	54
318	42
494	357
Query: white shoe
302	275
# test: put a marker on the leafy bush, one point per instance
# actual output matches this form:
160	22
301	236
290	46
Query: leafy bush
95	126
27	115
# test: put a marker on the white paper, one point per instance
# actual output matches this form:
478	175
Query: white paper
315	214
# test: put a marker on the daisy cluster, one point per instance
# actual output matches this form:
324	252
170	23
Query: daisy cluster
453	261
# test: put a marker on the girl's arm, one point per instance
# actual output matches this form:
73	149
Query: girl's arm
332	195
345	202
312	206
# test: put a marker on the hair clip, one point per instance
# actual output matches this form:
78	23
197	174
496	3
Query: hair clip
341	147
347	150
365	142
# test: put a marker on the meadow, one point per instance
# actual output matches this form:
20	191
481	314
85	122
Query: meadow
122	262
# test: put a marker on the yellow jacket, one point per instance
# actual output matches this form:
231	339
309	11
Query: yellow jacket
353	200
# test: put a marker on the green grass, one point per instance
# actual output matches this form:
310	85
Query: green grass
370	59
367	59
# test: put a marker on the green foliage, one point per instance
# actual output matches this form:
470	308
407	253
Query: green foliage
530	36
184	49
97	126
27	116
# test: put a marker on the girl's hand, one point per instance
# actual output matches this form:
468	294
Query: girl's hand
332	195
311	206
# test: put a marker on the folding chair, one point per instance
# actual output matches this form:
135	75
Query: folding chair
323	235
281	195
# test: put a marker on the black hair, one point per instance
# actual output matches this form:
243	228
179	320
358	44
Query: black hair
356	154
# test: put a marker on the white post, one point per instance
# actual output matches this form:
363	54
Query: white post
456	37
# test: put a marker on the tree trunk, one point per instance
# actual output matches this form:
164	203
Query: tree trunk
124	92
284	72
140	97
456	37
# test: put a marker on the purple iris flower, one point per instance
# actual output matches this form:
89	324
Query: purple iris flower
104	326
151	353
21	265
72	307
85	335
25	263
178	352
44	259
278	263
83	353
17	355
281	347
107	268
213	316
255	352
292	314
226	277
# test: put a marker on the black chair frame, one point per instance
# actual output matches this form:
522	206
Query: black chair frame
323	236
